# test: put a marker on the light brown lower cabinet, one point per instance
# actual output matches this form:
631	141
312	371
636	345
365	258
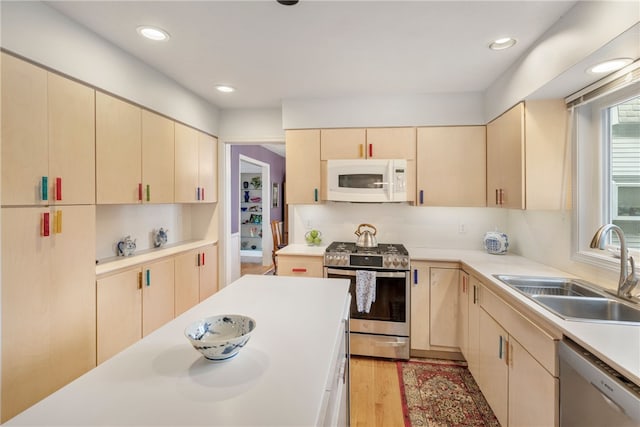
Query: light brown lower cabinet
132	304
434	306
48	301
520	383
301	266
196	275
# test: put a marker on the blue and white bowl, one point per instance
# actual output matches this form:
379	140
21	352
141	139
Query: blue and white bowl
220	337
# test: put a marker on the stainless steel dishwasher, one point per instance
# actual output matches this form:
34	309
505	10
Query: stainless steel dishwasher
592	393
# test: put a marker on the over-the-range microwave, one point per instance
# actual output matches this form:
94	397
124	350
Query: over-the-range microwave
367	180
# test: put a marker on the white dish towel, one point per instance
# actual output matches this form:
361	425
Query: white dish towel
365	290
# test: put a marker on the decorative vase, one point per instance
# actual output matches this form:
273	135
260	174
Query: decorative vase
246	196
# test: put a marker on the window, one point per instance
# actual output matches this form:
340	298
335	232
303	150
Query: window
623	147
607	172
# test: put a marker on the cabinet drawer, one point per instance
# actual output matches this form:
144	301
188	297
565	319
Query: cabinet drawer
307	266
536	341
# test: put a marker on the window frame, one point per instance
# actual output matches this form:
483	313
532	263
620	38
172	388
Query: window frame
591	174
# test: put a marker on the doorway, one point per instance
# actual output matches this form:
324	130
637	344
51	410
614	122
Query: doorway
254	213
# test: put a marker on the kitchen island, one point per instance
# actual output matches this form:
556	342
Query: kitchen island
291	372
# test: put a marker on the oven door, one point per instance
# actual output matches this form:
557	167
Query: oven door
389	313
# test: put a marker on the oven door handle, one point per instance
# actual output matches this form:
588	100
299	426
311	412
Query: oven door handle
383	274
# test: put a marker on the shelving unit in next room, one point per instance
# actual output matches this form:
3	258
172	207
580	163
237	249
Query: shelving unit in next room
251	206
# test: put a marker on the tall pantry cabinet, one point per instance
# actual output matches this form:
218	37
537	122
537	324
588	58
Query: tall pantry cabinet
48	233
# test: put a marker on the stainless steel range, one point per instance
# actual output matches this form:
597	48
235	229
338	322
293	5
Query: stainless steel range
380	286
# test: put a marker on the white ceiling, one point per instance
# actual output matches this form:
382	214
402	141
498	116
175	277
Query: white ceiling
319	49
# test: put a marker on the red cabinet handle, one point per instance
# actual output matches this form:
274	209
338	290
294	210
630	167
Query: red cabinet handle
202	198
58	188
44	225
140	191
299	270
370	150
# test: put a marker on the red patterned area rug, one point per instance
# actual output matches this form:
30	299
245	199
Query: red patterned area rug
442	393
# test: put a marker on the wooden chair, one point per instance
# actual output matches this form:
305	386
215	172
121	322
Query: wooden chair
277	242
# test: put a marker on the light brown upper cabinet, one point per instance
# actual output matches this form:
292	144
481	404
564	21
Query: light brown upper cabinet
371	143
157	158
118	151
303	166
195	166
48	154
451	168
526	157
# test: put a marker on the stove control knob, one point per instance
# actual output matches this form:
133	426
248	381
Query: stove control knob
344	260
405	262
386	261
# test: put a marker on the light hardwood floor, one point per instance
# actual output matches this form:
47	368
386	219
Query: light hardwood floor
254	268
375	393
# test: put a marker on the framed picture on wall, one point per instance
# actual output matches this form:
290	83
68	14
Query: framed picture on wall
275	195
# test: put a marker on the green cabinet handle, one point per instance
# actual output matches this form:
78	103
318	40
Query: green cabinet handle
45	188
148	193
148	277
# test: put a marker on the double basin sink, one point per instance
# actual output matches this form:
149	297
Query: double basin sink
574	299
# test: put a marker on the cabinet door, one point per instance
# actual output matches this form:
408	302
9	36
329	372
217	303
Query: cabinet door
157	295
474	328
391	143
303	166
187	279
72	171
505	160
25	155
208	167
186	164
157	158
494	373
443	312
343	144
73	287
463	314
118	151
451	166
420	306
119	312
26	298
208	271
533	392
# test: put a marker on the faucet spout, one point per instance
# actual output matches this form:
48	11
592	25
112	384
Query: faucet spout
628	281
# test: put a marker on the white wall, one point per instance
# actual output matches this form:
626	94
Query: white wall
251	125
377	111
41	34
428	227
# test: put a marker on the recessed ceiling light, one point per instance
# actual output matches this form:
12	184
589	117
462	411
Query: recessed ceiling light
153	33
502	43
610	65
225	88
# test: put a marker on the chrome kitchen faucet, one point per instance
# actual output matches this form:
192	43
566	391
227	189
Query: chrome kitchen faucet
627	281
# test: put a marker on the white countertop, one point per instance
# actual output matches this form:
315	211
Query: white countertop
297	249
616	344
278	379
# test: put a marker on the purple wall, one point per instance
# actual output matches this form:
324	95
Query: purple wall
277	168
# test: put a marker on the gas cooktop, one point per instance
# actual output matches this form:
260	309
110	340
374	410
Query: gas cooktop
385	256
